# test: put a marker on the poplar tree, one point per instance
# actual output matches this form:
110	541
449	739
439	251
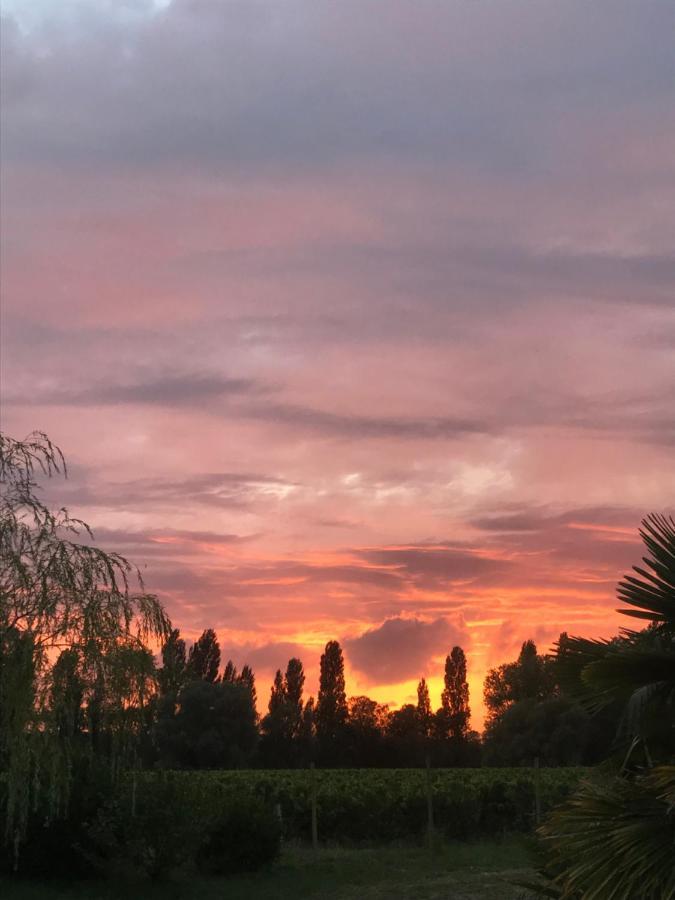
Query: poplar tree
277	695
173	673
247	677
424	713
230	674
331	707
204	657
294	682
455	696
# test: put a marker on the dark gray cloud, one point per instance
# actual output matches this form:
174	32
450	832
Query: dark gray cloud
181	391
520	518
169	391
586	543
436	567
400	648
643	415
190	586
525	163
163	541
511	404
290	577
345	574
360	426
245	82
262	580
228	490
155	390
336	523
455	269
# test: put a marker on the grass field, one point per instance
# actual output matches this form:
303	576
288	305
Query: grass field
455	871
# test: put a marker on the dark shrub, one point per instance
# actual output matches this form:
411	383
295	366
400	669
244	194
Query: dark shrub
50	849
242	838
57	842
159	835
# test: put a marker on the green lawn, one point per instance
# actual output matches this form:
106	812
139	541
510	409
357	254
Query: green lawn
454	872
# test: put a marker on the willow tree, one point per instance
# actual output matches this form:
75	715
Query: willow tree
57	592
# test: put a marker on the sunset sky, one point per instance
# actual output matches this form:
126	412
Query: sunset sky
354	319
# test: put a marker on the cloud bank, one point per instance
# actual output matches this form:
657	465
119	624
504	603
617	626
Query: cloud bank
349	325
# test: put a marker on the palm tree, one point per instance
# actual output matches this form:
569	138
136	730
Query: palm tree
615	838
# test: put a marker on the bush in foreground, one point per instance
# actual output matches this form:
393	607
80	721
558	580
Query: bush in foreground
242	838
156	828
173	829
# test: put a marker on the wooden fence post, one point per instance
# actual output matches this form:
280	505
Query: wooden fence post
315	825
537	791
430	803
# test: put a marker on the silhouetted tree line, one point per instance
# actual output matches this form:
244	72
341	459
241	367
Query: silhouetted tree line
187	713
532	711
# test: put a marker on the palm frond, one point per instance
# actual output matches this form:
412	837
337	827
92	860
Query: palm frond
620	673
614	839
651	595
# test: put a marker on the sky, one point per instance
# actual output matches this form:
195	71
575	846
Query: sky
354	320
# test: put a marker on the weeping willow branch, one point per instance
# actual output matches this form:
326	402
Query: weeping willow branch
57	590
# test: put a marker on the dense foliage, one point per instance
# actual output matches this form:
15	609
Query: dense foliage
148	827
615	837
534	712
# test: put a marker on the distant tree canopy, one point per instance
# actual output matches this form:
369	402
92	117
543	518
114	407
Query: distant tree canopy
530	677
213	728
556	731
531	715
